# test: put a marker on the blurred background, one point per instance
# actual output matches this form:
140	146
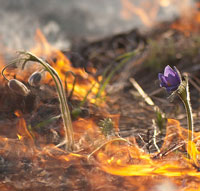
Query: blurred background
63	21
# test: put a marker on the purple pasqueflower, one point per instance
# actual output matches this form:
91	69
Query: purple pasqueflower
170	79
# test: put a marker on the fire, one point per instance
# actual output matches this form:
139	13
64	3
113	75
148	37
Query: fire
61	64
188	22
2	64
147	12
129	160
23	133
99	162
147	17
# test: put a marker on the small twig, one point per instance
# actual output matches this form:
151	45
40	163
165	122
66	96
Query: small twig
163	101
145	144
64	142
155	92
104	144
146	98
154	135
141	139
171	149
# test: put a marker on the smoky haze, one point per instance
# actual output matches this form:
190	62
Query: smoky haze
62	21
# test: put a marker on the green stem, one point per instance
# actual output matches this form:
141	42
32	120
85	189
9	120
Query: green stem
8	65
124	59
184	94
69	139
190	119
107	80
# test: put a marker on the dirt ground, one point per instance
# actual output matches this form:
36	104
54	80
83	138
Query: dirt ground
137	118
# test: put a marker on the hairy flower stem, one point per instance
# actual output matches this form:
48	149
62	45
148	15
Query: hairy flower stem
69	139
184	94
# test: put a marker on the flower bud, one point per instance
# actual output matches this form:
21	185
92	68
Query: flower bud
18	87
171	79
35	78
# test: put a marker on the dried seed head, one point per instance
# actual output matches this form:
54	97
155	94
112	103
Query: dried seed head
35	78
18	87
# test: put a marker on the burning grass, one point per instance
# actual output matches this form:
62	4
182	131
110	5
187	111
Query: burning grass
30	158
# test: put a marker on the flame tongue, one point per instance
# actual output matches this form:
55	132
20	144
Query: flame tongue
113	164
62	65
23	133
123	160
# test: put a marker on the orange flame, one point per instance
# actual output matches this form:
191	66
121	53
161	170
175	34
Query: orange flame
189	21
123	160
118	157
147	17
63	65
23	133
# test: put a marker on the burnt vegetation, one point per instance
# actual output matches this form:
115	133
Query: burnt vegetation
111	121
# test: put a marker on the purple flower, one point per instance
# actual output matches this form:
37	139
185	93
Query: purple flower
170	79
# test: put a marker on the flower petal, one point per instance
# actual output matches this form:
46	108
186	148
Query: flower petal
163	81
172	80
178	76
169	71
172	76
